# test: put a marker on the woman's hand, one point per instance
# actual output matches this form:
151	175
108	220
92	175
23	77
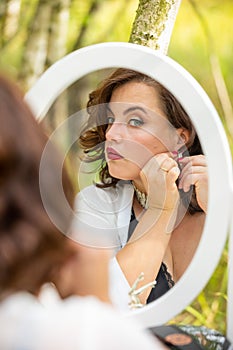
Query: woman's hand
194	172
159	177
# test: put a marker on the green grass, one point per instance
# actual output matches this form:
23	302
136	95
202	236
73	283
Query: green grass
209	308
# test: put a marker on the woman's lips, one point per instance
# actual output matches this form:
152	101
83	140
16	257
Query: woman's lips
112	154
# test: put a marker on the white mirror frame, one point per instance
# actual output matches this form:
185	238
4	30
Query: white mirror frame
210	131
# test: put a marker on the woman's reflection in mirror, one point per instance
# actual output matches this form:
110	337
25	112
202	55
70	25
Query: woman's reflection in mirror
152	186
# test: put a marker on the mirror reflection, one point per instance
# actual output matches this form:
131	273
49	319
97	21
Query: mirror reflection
150	192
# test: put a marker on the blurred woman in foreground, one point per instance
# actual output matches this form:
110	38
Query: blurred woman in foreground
33	251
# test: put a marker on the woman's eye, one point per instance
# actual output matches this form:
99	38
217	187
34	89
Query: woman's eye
135	122
109	120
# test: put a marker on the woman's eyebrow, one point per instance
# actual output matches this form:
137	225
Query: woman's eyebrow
130	109
134	108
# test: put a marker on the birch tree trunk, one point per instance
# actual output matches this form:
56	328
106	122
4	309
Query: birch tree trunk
9	20
35	51
154	22
47	37
58	30
12	13
57	40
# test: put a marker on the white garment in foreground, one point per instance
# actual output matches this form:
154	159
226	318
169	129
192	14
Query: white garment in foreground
78	323
102	219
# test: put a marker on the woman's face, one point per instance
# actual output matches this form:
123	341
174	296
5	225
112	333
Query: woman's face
138	129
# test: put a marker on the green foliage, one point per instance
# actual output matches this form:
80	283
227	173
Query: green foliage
192	43
14	34
209	308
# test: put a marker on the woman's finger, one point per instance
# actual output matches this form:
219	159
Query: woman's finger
192	179
194	160
189	171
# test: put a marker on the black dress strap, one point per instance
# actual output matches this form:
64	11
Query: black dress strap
132	225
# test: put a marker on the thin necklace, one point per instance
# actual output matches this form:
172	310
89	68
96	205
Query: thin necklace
141	197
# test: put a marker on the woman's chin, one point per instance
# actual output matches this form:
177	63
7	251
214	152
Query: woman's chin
123	172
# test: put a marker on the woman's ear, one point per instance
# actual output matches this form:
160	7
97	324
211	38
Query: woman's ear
184	136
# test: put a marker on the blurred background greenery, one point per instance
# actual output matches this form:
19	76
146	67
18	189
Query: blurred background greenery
36	33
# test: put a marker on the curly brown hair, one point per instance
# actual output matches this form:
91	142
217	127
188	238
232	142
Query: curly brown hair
31	246
92	137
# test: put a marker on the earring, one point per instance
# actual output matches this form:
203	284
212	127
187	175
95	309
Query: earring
180	156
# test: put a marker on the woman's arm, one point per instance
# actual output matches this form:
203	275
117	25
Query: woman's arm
146	248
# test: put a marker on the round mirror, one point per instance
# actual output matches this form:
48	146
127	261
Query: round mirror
211	134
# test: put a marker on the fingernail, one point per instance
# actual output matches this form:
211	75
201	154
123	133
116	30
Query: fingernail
175	153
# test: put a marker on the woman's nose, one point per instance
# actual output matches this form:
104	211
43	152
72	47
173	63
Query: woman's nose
115	131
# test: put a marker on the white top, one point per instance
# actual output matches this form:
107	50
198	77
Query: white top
78	323
102	219
103	215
